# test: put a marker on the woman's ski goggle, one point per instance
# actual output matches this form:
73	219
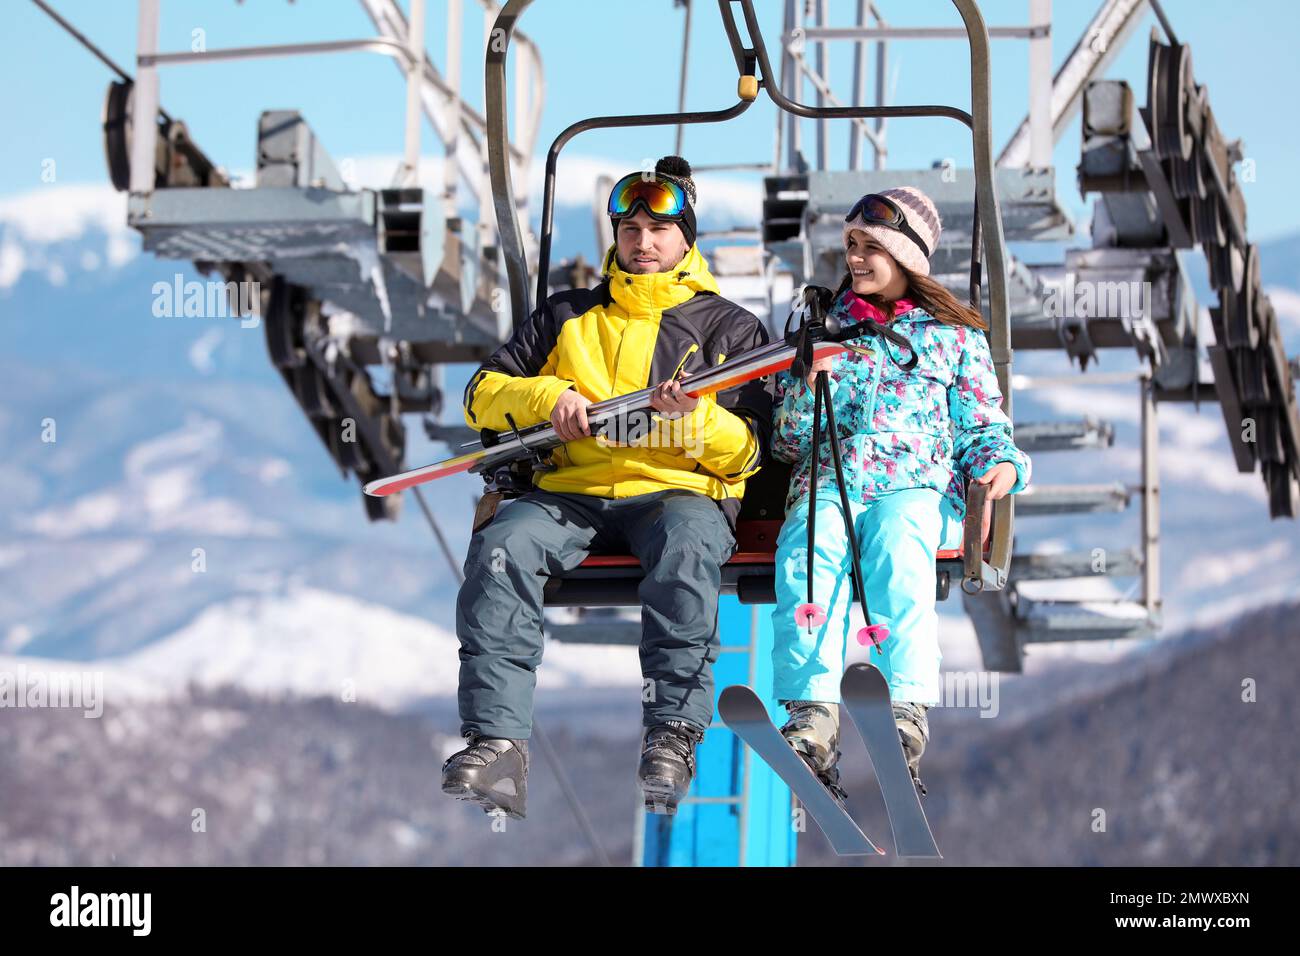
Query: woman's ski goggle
879	210
661	198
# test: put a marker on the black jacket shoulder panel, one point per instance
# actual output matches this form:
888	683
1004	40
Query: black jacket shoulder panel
574	302
718	326
711	313
525	353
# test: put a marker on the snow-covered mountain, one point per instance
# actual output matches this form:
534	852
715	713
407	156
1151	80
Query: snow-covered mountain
297	640
186	524
172	517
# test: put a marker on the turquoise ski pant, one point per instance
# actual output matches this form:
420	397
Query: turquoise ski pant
898	534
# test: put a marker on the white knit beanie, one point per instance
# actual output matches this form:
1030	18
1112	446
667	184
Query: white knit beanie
920	214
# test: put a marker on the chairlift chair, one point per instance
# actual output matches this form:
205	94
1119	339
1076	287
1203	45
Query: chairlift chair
611	580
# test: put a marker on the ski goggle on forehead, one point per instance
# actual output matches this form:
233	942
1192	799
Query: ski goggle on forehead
661	198
879	210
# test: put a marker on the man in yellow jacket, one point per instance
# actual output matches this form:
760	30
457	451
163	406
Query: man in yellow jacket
666	489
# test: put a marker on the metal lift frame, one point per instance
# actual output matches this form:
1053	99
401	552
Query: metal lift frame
427	90
988	214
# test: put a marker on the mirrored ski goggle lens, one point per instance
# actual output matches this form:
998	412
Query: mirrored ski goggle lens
661	198
874	209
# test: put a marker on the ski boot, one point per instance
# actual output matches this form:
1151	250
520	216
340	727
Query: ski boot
667	765
492	772
813	730
914	733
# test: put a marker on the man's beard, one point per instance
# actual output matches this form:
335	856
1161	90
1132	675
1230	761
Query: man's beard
637	268
659	264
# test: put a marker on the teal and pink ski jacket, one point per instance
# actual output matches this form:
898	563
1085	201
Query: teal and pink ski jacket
931	427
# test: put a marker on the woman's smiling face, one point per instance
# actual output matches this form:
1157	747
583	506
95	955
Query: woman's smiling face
875	271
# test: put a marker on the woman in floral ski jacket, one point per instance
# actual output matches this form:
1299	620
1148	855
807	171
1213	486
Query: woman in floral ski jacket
909	441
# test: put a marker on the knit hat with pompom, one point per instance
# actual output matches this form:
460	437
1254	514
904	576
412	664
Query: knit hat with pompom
677	170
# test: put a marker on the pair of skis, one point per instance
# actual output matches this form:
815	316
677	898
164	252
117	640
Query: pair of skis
818	336
865	694
533	441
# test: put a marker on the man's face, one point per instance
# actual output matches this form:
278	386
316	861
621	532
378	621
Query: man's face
646	244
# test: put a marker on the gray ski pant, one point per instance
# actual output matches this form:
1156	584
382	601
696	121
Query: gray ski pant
682	540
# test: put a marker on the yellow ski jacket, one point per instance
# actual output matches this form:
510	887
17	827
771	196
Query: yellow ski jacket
628	333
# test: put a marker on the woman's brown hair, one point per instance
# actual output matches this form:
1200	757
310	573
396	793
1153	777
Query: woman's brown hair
927	294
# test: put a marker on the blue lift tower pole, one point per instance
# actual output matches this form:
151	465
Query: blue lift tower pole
738	811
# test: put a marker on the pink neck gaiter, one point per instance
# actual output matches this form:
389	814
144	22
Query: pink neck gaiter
862	310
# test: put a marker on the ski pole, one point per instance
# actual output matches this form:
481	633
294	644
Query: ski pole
811	614
875	634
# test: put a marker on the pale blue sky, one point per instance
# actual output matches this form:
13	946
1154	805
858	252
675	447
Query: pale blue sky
616	56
